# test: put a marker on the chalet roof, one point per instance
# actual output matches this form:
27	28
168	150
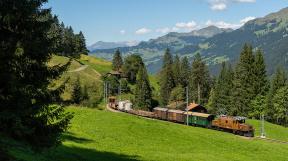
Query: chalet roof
114	73
192	105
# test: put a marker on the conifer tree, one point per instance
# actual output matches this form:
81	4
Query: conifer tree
77	92
176	70
143	92
243	83
85	93
200	78
117	61
184	72
280	104
177	94
26	113
166	78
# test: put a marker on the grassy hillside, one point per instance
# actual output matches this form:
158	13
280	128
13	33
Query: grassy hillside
88	76
104	135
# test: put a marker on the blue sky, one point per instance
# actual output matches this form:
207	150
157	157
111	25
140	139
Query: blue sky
128	20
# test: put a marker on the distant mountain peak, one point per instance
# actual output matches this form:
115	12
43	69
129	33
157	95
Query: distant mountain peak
209	31
111	45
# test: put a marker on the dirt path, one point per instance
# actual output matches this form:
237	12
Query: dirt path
81	68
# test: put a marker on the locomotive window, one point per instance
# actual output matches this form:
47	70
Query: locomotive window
226	121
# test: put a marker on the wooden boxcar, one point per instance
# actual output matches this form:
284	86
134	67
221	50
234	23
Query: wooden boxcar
235	124
199	119
176	115
161	113
142	113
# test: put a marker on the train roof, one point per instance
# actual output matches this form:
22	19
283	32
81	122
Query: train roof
176	111
160	109
198	114
233	117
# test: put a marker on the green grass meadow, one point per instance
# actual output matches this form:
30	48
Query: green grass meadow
104	135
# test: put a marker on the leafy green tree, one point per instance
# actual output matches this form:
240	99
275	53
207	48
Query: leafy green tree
177	94
77	94
131	66
166	78
143	92
176	70
184	72
26	113
117	61
278	81
200	79
258	105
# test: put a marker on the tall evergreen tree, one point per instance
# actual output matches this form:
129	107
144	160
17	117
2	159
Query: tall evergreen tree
200	78
26	113
117	61
243	82
85	95
143	92
166	78
184	72
77	94
176	71
280	104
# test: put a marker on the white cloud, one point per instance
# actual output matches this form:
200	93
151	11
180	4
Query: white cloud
163	30
186	25
122	32
221	6
175	29
222	24
143	31
190	26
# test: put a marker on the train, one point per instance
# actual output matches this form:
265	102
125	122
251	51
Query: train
233	124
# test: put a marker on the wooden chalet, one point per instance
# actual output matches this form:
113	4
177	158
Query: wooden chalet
193	107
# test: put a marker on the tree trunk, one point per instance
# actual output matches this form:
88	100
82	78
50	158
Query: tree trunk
198	93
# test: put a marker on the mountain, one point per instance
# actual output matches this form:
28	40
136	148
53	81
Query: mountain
110	45
152	51
269	33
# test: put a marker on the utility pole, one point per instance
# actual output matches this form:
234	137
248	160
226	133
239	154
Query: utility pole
187	103
262	128
104	94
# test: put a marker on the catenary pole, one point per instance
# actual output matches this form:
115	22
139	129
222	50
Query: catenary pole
187	103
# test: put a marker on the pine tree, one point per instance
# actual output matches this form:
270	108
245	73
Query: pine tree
243	83
184	72
85	93
26	113
166	78
143	92
117	61
131	66
200	78
176	70
77	92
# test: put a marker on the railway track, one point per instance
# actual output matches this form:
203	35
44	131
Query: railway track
244	137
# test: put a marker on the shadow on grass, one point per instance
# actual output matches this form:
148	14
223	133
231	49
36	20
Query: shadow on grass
71	137
76	153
